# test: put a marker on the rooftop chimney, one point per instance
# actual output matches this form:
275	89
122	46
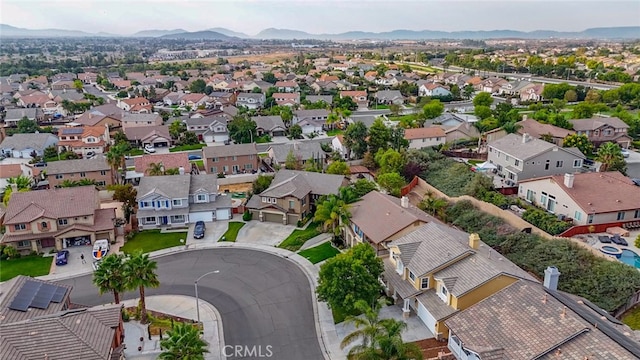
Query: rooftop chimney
181	170
404	202
525	117
551	275
474	241
568	180
525	138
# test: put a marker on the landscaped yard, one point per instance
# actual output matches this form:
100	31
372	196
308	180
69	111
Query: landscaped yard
152	240
298	237
263	139
199	163
33	265
632	318
319	253
232	232
135	152
334	132
187	147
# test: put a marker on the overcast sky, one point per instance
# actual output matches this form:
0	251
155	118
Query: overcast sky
315	16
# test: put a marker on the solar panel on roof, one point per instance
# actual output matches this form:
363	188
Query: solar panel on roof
37	295
59	294
72	131
25	295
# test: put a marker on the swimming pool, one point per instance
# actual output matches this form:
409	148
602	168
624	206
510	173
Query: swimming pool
611	251
630	258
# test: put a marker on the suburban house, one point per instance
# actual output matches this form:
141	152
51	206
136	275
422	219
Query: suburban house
33	311
138	105
177	200
532	93
270	125
94	118
41	220
584	198
220	99
287	99
328	99
12	116
292	195
83	140
175	160
389	97
521	157
96	169
358	97
132	120
558	326
378	219
338	145
514	87
535	129
231	159
250	100
157	135
210	129
425	137
194	100
492	85
311	119
437	271
303	151
8	171
433	89
24	145
603	129
287	86
462	131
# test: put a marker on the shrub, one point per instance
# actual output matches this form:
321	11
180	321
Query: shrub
545	221
247	216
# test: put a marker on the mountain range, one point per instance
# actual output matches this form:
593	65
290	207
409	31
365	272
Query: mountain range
623	32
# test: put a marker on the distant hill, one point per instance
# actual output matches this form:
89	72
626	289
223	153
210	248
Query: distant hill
228	32
12	31
157	33
284	34
199	35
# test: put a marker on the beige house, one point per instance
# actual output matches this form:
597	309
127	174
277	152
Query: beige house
231	159
586	198
425	137
96	169
535	129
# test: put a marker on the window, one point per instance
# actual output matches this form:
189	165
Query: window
251	157
530	195
24	243
546	165
424	283
577	163
607	132
19	227
507	158
177	202
214	169
543	199
577	215
103	172
150	219
517	162
248	166
82	174
590	219
201	197
551	205
235	158
177	218
637	214
559	163
44	224
62	222
59	176
292	204
215	159
621	215
412	276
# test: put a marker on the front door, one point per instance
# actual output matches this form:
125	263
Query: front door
164	220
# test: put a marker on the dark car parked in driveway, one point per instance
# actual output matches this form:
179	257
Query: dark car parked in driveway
198	230
62	257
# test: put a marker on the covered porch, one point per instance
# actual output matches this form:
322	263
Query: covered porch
151	219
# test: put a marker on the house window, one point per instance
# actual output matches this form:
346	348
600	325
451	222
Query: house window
248	166
177	202
530	195
150	219
44	224
201	198
62	222
546	165
607	132
292	204
517	162
24	243
82	174
443	293
590	219
59	176
214	169
637	214
551	205
215	159
577	215
559	163
620	215
19	227
177	218
235	158
543	199
424	283
251	157
577	163
102	172
412	276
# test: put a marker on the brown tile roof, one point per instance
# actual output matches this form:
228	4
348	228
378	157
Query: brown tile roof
598	122
380	216
353	93
359	169
537	129
52	203
170	161
11	288
525	322
286	84
230	150
589	192
10	170
424	133
135	101
292	96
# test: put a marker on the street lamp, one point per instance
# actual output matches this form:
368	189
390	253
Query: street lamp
196	285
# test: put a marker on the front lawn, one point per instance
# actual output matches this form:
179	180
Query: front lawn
199	163
32	265
334	132
152	240
187	147
298	237
135	152
319	253
263	139
232	232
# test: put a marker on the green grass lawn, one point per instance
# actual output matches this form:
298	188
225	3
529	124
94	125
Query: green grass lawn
632	318
32	265
298	237
263	139
475	162
334	132
319	253
187	147
232	232
152	240
135	152
199	163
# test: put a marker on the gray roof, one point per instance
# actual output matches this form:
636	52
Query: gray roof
141	117
70	95
388	95
305	150
97	163
141	132
367	120
222	201
257	96
301	114
597	122
37	141
437	308
404	288
204	182
207	120
11	288
230	150
17	114
171	186
300	183
315	98
268	123
513	145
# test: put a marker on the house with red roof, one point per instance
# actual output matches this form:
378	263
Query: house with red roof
137	105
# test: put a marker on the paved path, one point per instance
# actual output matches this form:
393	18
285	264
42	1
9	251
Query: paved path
315	241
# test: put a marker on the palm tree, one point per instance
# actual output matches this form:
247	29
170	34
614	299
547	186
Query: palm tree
391	344
333	212
22	183
433	205
115	159
610	155
184	342
347	195
511	127
140	273
368	329
110	276
155	169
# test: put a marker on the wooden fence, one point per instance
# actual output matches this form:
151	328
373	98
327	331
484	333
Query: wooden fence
633	301
407	188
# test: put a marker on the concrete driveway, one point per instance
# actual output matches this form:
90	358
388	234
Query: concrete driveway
213	232
264	233
74	264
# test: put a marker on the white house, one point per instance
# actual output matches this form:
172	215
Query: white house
425	137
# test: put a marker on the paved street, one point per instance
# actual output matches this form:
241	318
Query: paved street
263	299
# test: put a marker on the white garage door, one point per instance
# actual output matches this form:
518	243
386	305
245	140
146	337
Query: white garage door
205	216
223	214
426	317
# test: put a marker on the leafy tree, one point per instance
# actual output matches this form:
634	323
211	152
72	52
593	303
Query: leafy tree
50	152
434	206
176	129
140	273
78	85
392	182
333	213
556	91
338	167
483	99
389	161
511	127
26	126
610	155
120	138
126	194
242	129
155	169
262	183
348	195
433	109
295	131
110	276
183	343
583	111
379	136
580	141
362	187
395	109
355	139
468	91
571	96
482	112
269	77
593	97
189	138
292	162
397	140
349	277
198	86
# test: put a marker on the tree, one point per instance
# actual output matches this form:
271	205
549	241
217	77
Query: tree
295	131
262	183
189	138
389	161
362	187
140	273
183	343
379	136
50	152
511	127
333	213
115	159
355	139
368	329
177	128
482	112
242	130
433	109
433	205
580	141
198	86
338	167
391	344
292	162
78	85
120	138
155	169
126	194
22	183
468	91
610	155
395	109
110	276
571	96
556	91
396	138
483	99
349	277
26	126
583	111
593	96
269	77
392	182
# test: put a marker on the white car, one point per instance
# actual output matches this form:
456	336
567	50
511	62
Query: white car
625	153
149	148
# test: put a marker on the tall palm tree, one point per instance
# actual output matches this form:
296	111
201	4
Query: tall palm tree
333	212
368	329
511	127
155	169
183	343
610	155
22	183
391	344
115	159
140	273
110	276
347	195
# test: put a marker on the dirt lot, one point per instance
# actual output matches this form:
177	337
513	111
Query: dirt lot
266	58
236	188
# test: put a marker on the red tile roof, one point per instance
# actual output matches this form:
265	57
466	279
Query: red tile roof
424	133
10	171
170	161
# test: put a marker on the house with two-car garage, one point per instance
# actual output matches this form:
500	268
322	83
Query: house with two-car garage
177	200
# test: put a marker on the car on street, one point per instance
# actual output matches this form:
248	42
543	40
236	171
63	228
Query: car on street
625	153
198	230
62	257
195	157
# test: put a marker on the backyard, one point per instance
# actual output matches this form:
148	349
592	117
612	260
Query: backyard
32	265
298	237
232	232
319	253
152	240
